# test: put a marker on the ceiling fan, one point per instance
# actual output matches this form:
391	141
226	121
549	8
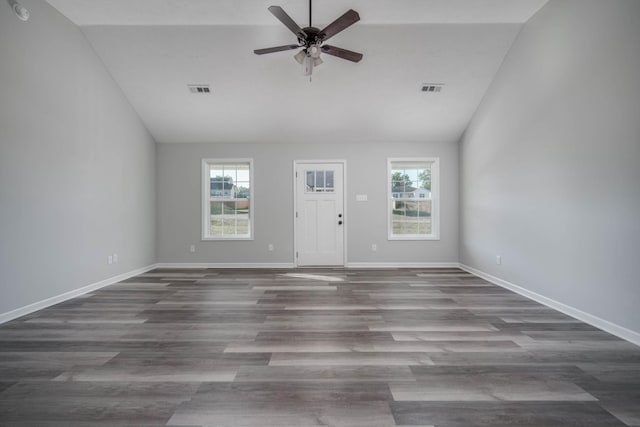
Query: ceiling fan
311	39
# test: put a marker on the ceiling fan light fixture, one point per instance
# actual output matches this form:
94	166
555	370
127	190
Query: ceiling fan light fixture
316	61
21	12
314	51
300	56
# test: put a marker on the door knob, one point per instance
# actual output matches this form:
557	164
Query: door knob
339	222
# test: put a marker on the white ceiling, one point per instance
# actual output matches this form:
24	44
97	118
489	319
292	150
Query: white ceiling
254	12
154	48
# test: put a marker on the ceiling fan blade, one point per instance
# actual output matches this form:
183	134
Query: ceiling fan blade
342	53
282	16
349	18
275	49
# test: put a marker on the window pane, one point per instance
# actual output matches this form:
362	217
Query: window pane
329	179
242	226
229	225
244	191
216	208
216	171
423	208
406	226
425	227
215	219
242	176
320	179
425	179
311	182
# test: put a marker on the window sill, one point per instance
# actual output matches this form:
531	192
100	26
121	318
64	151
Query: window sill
204	239
413	237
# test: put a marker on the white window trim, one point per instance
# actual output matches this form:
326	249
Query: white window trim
205	196
435	199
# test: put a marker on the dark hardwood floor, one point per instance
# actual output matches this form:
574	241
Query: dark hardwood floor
312	347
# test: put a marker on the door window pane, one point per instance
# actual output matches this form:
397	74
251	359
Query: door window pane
329	180
319	180
311	181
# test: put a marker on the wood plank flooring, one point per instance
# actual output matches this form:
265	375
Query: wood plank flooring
312	347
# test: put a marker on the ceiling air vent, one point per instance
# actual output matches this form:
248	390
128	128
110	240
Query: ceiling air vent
199	89
432	87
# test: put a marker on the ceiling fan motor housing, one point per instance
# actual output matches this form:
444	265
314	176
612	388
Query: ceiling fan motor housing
312	37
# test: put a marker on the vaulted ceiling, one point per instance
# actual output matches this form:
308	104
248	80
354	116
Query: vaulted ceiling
155	48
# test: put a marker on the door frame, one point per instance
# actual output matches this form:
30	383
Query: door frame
345	224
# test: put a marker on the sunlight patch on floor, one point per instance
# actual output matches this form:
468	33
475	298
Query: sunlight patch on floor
314	277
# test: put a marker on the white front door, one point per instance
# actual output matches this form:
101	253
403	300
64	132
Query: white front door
319	214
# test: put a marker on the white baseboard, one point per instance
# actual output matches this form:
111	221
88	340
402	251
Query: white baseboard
267	265
403	265
605	325
27	309
224	265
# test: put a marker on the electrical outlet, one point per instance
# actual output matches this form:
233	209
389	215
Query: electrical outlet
374	247
115	258
271	247
498	259
192	248
110	259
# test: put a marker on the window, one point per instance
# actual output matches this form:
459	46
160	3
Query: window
319	182
227	205
413	199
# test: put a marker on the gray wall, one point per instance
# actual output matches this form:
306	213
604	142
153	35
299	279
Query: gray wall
179	205
549	165
77	168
